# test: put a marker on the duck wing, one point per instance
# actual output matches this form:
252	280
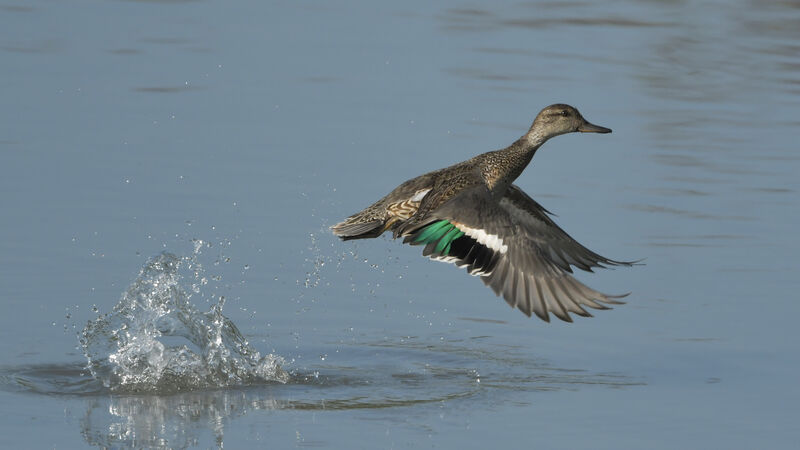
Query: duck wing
560	247
517	251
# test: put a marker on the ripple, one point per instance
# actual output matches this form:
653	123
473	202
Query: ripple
413	372
125	51
16	8
685	213
165	89
407	373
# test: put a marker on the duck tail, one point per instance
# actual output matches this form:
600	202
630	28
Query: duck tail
351	229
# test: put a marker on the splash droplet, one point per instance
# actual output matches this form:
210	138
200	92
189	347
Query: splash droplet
127	351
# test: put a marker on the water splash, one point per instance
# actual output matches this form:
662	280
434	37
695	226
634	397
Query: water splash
156	340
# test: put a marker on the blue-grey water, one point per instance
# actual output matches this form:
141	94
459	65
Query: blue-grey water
131	131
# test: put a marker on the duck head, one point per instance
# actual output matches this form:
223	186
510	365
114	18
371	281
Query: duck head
560	119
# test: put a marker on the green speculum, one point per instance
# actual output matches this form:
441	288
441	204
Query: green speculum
441	232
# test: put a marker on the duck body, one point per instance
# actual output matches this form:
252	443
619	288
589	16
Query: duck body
413	201
471	214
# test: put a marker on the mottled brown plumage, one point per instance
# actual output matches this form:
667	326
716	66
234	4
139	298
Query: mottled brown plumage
471	214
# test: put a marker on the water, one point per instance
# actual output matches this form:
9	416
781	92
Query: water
130	131
126	349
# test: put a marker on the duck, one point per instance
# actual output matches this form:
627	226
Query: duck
471	214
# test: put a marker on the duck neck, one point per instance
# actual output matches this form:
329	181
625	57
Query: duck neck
510	162
534	138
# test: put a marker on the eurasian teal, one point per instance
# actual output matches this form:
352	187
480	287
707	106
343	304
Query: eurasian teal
471	214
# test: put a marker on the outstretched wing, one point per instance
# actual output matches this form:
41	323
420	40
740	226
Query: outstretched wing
560	248
517	250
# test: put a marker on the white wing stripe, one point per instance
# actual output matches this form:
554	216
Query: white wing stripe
459	263
489	240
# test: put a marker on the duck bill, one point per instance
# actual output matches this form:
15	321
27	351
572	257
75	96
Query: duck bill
587	127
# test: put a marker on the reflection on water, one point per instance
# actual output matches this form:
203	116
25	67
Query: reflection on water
175	421
411	372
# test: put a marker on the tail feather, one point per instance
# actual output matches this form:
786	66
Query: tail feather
360	230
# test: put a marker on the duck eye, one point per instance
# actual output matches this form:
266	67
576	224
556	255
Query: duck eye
565	113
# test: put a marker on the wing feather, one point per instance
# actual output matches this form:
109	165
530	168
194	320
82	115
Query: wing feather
560	247
522	255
